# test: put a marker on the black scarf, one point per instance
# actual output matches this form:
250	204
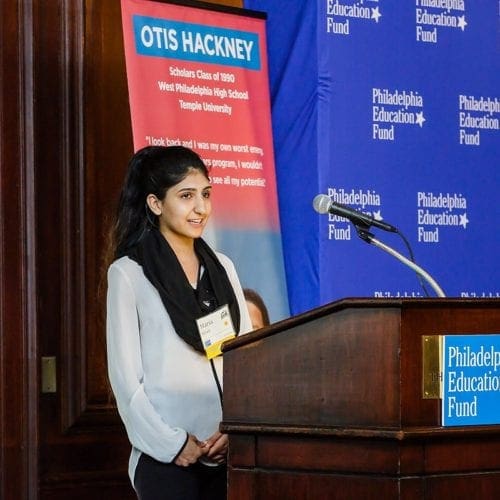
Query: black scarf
185	305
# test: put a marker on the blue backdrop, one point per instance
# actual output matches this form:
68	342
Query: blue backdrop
391	107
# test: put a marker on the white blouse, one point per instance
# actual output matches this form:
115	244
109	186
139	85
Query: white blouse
164	388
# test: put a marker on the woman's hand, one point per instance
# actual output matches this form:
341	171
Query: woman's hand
216	447
192	450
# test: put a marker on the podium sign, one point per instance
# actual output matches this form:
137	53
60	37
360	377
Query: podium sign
471	380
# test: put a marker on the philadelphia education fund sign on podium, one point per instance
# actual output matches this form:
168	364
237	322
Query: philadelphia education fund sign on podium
471	380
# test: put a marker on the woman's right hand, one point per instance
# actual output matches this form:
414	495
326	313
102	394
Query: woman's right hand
193	449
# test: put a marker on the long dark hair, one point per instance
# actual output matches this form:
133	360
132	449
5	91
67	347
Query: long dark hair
151	170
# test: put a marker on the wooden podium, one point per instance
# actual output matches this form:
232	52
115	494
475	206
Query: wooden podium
330	405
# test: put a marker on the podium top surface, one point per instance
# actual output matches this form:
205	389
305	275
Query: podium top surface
362	303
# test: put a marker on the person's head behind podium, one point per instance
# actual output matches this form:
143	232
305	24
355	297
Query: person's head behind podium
257	309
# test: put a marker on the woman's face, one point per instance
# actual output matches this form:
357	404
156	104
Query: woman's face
185	209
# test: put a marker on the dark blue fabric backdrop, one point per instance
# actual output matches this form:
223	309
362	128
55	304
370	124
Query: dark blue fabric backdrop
392	107
294	98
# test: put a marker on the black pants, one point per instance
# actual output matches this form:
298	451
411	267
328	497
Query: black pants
160	481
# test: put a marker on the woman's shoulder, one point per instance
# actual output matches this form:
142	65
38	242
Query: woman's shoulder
125	266
225	260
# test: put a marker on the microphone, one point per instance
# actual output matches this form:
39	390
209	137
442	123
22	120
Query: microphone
323	204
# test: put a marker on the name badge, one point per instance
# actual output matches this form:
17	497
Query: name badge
215	328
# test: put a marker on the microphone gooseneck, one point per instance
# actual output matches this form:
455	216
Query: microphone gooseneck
323	204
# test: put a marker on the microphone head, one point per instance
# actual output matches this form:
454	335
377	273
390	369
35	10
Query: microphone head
322	203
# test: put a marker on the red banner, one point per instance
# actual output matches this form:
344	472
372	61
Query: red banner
199	77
